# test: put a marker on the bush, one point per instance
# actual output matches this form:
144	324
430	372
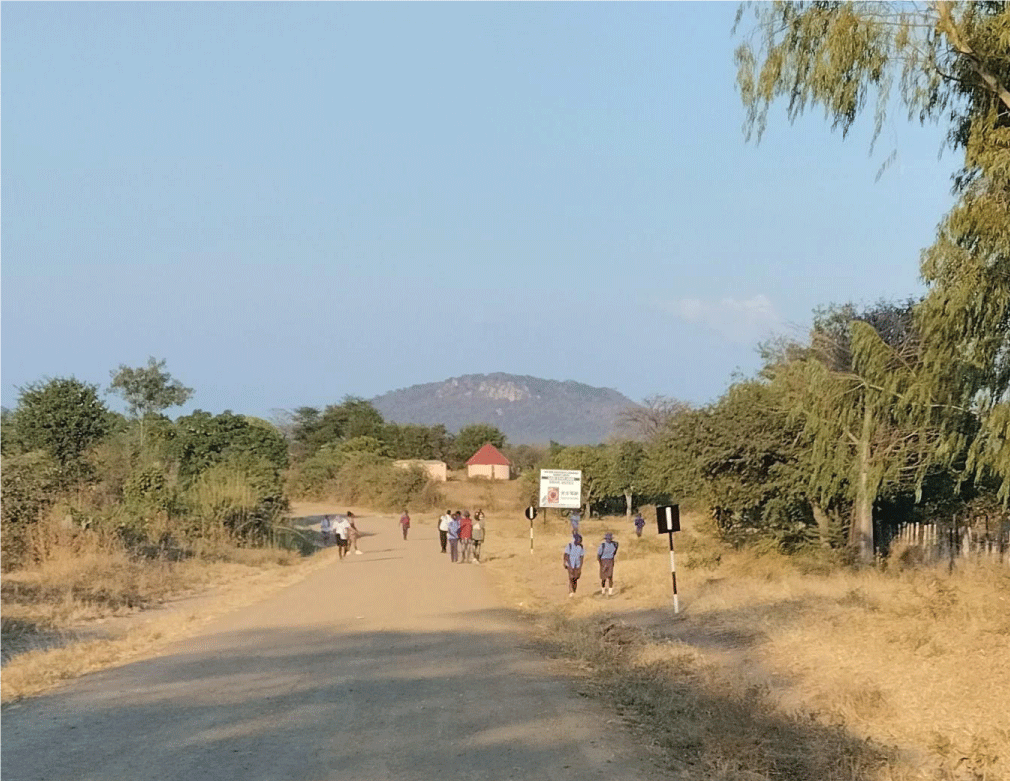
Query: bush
240	500
363	477
28	487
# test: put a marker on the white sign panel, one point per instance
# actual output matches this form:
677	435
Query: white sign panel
561	488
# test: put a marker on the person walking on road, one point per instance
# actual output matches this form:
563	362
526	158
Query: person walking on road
353	533
405	523
573	558
466	538
453	536
574	519
326	530
639	524
478	535
443	529
342	530
605	555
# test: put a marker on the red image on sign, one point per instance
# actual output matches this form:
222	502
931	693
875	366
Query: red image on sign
553	495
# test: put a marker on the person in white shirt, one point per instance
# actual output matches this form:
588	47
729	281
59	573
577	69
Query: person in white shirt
443	529
342	528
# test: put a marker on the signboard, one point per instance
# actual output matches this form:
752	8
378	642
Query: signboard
561	488
668	518
531	512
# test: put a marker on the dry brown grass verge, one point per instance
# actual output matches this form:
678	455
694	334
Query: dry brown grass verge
780	668
90	603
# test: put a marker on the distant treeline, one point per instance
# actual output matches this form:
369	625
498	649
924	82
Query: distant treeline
838	436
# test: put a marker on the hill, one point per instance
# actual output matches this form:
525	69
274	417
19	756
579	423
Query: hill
529	410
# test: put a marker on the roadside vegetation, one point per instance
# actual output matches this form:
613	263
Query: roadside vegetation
779	666
104	515
845	575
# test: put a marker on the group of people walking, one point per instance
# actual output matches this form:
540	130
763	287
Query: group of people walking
462	535
342	530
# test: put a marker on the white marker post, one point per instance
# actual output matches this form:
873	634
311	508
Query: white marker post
668	521
531	513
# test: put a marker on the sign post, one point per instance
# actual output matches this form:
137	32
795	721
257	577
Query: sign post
531	513
668	521
561	488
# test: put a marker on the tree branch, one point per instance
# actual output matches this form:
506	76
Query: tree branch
961	47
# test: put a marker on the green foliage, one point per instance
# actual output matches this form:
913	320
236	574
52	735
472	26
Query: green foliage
241	500
353	417
421	442
950	62
148	389
745	460
470	439
593	461
203	440
857	388
29	482
63	417
28	487
524	458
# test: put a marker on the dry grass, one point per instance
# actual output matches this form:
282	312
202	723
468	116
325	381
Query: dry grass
493	496
82	607
780	668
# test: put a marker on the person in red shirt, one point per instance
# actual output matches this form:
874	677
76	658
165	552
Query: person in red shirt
405	523
466	537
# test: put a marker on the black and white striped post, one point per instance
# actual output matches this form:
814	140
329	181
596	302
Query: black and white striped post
531	513
668	521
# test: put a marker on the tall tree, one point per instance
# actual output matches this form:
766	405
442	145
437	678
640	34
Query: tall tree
353	417
148	390
593	461
950	64
62	416
471	438
746	461
625	461
856	388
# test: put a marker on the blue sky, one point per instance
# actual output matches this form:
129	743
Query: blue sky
292	202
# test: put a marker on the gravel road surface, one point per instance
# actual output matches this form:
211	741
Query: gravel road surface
395	664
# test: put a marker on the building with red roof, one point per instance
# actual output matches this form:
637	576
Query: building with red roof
488	462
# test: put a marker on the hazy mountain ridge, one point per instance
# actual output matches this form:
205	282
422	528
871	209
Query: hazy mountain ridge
527	409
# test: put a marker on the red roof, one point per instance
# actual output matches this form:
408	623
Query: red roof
488	454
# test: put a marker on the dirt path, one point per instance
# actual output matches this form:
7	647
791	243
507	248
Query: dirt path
393	664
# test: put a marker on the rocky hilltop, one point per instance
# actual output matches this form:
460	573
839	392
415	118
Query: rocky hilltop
528	410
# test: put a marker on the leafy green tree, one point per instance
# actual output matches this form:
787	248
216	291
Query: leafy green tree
594	463
624	471
745	460
353	417
148	389
63	417
471	438
949	62
29	484
524	458
415	441
855	388
360	418
202	440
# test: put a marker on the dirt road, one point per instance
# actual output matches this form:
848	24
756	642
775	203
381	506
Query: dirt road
394	664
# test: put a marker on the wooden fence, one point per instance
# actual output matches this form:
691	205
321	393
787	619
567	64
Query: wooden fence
952	541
